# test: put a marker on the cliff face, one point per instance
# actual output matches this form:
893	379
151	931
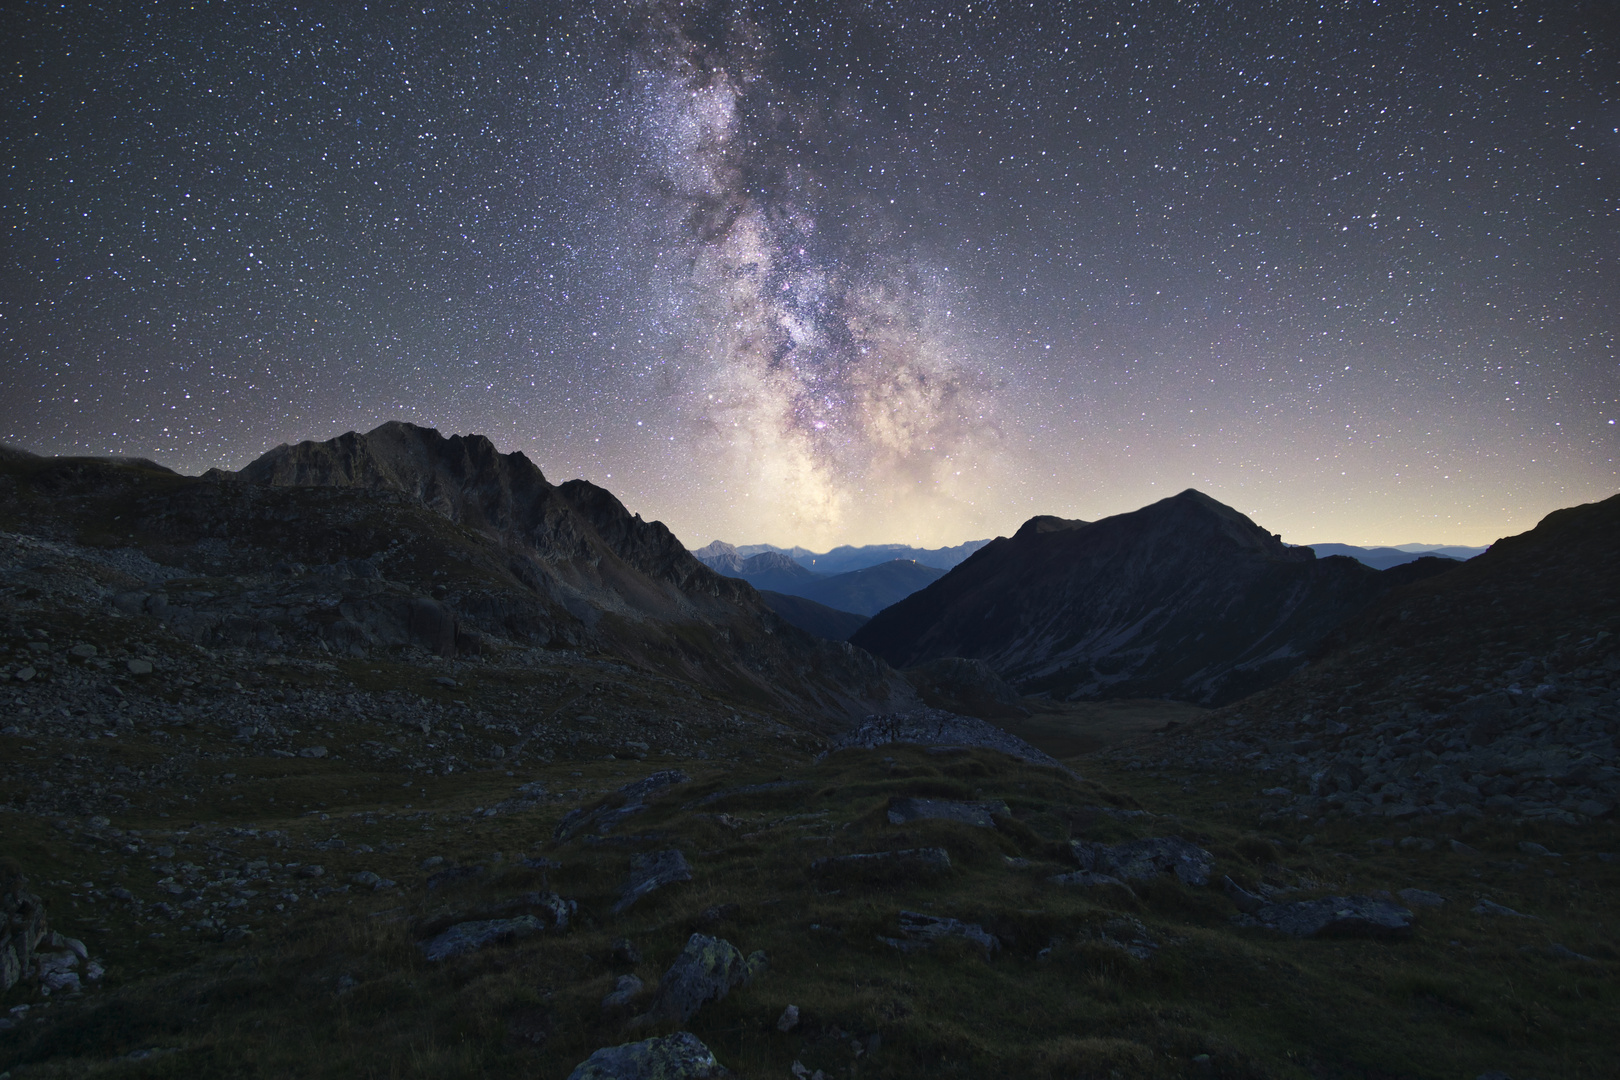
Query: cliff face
1185	598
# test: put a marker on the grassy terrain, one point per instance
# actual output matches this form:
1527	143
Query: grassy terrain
336	986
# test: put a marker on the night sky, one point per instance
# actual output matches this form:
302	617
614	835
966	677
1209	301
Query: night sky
820	274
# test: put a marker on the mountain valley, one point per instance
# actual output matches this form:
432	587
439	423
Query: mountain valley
386	756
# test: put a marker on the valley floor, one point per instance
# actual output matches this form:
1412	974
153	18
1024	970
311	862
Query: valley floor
260	853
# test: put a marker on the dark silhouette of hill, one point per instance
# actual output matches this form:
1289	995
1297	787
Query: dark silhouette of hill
1382	558
814	618
1185	598
869	591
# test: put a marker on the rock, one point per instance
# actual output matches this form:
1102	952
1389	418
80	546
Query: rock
1460	848
24	674
1421	898
1595	808
902	810
313	752
935	727
311	870
1087	879
624	952
788	1020
470	936
650	872
921	858
706	970
930	929
624	992
1491	907
371	880
1246	901
640	789
1530	847
445	680
681	1056
1143	859
23	925
1333	916
82	652
1129	936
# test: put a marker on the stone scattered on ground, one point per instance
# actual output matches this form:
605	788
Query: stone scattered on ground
921	858
920	929
1129	936
788	1020
469	937
1421	898
937	728
1332	916
623	993
681	1056
650	872
602	819
1087	879
1491	907
707	969
904	810
1139	860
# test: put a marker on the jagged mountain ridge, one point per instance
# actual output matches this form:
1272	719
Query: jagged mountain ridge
515	557
1382	558
1186	598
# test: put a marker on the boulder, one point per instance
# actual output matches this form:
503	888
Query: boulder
930	929
649	872
902	811
471	936
681	1056
706	970
1333	916
1140	860
935	859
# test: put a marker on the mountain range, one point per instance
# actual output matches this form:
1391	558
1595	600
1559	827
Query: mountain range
1186	598
403	537
1382	558
865	591
842	559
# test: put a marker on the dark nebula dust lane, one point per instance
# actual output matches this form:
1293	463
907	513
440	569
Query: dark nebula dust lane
839	273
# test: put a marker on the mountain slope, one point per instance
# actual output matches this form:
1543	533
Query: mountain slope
814	618
1492	688
630	585
1185	598
869	591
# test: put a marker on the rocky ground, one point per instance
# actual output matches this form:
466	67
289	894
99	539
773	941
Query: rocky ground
227	854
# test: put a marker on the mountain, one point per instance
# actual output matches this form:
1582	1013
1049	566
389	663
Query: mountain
842	560
1382	558
1491	689
864	592
404	539
1185	598
814	618
869	591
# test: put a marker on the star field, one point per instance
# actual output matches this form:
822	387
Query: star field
839	273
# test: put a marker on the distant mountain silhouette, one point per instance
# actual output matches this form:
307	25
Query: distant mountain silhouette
869	591
842	560
865	592
1185	598
1382	558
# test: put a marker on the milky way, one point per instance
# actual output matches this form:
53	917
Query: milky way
840	273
